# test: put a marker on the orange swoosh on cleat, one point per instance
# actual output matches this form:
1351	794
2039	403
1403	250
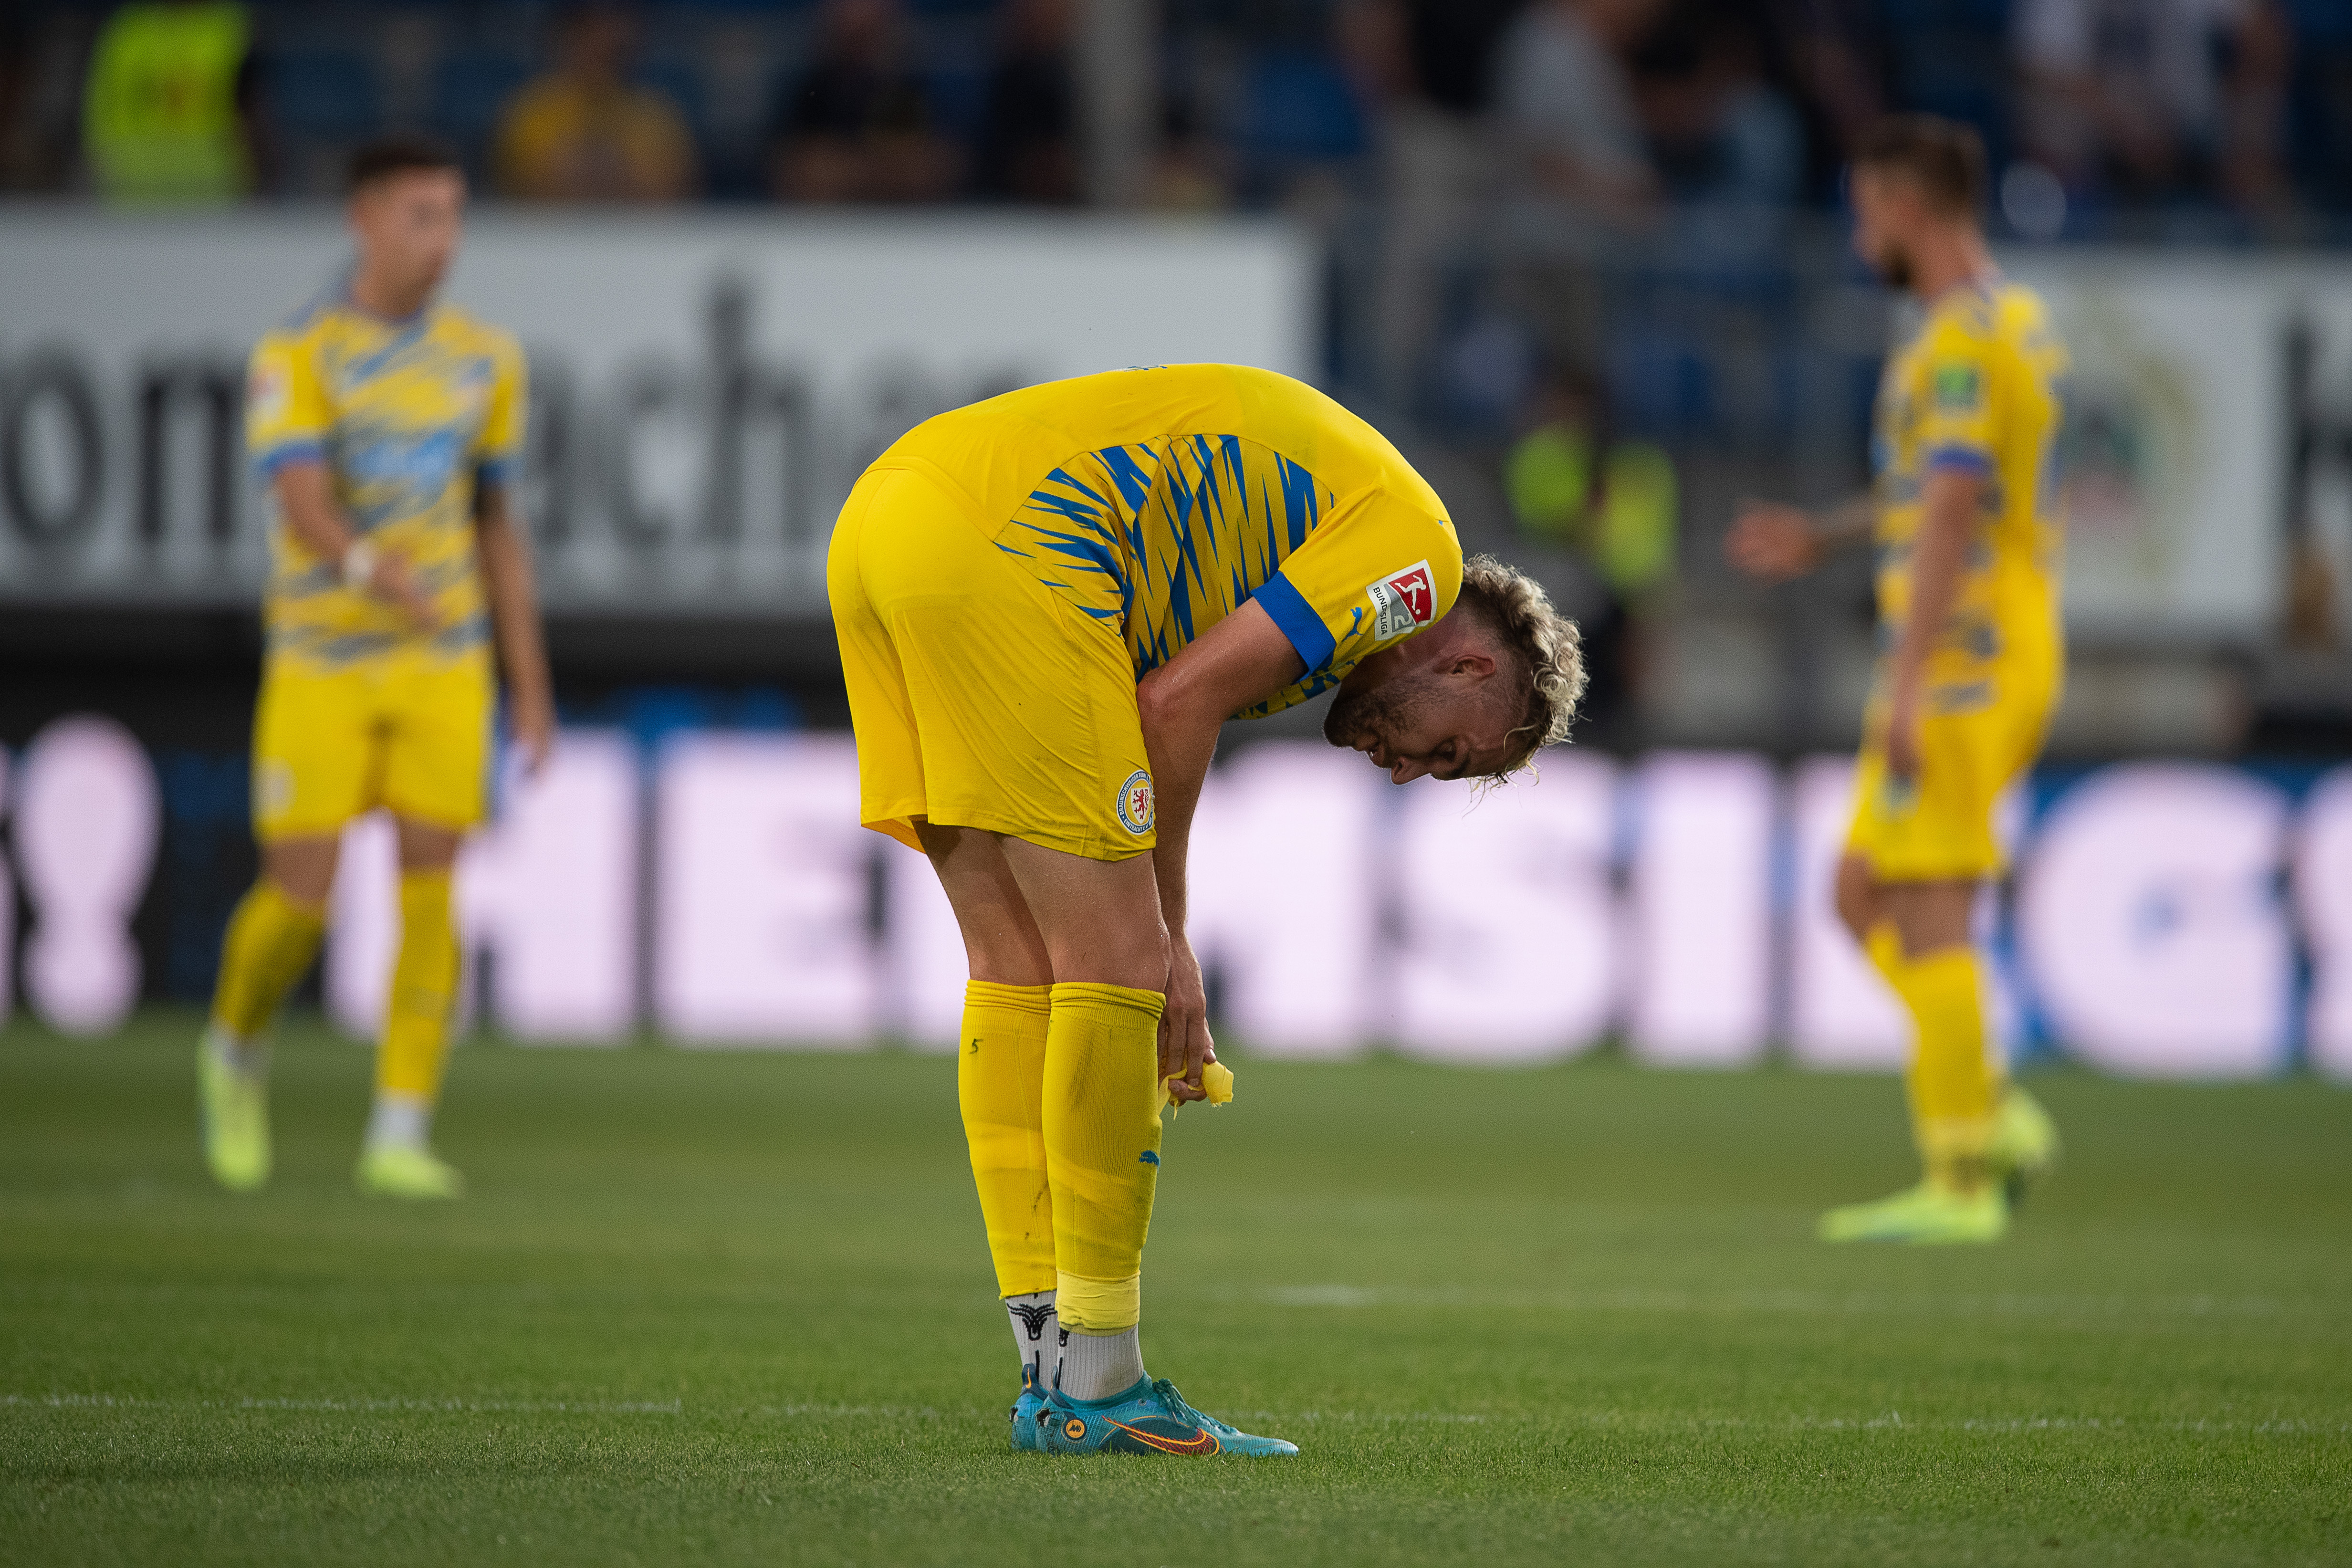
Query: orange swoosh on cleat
1202	1443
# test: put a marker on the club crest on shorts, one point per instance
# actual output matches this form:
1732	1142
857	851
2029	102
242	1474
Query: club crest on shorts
1135	804
1402	602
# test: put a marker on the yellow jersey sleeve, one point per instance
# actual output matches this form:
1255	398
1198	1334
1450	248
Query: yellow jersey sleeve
1380	572
1955	399
498	448
287	414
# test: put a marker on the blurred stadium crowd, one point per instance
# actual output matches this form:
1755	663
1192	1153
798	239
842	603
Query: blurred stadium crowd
1587	251
2223	115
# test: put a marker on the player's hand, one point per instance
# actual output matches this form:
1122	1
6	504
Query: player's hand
1902	741
534	730
395	582
1184	1044
1773	542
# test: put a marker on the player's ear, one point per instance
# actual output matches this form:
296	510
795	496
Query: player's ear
1473	662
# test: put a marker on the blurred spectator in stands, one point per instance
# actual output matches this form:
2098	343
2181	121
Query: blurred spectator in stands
2321	109
1029	129
1836	53
859	125
1614	505
16	101
2156	100
1563	93
584	132
1187	170
169	110
1718	131
1427	68
1585	183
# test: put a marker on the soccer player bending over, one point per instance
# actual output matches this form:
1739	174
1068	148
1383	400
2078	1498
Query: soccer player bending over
1048	603
1964	515
387	428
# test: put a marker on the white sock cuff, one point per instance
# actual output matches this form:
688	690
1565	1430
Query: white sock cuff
1037	1333
238	1055
1096	1367
400	1121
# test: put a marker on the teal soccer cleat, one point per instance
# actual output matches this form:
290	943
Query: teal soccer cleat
1027	1436
1149	1418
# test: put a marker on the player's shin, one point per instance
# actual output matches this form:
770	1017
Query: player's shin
1000	1087
271	940
1953	1082
1102	1142
416	1046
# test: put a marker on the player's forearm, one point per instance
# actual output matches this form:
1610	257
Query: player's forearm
1240	661
1938	563
507	576
306	502
1846	524
1181	742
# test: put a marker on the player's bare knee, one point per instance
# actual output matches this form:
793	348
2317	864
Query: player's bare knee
426	847
303	870
1131	954
1856	898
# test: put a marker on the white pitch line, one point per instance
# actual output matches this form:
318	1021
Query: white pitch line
1638	1421
1891	1421
452	1406
1799	1303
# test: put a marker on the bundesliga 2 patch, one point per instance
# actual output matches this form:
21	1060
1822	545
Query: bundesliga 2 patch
1402	602
265	393
1959	386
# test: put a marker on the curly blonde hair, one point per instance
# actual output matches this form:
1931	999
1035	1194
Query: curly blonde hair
1543	645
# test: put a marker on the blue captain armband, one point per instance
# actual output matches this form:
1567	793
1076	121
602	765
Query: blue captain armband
1958	459
1299	621
271	461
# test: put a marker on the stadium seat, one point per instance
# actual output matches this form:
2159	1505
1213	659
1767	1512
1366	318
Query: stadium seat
327	94
470	88
1298	115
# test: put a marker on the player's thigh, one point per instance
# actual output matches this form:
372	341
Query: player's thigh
315	747
1938	825
1001	943
437	743
881	714
1024	708
1100	919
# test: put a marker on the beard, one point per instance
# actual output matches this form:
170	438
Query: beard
1892	265
1382	711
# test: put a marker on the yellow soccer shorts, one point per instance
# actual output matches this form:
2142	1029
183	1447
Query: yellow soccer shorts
404	731
1939	827
980	697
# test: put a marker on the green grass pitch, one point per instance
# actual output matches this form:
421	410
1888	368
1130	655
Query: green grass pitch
716	1308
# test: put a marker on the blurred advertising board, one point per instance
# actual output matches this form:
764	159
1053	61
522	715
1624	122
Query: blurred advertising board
2208	410
2165	920
705	388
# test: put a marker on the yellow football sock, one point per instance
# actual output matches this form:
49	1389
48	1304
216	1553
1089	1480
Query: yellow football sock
271	940
424	984
1102	1149
1001	1086
1952	1081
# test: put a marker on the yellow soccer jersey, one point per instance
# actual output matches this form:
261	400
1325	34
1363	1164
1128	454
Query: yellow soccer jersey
408	416
1158	500
1977	389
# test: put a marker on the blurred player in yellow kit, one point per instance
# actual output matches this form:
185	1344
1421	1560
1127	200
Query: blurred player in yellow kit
1048	605
1964	515
387	428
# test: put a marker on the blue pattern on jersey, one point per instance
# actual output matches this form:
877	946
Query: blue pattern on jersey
1164	538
